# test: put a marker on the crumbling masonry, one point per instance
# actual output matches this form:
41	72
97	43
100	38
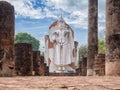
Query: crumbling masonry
36	62
99	65
44	69
23	59
6	39
112	37
84	66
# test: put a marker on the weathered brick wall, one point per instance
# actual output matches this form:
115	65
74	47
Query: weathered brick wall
47	71
23	59
84	66
92	35
113	29
112	37
6	39
44	69
99	65
36	62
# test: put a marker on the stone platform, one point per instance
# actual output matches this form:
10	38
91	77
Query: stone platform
59	83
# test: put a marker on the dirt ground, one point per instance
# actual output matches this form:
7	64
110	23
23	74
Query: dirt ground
59	83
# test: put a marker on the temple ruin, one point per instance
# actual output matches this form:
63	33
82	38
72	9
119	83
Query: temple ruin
6	39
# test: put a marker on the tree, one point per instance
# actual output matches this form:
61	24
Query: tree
101	46
27	38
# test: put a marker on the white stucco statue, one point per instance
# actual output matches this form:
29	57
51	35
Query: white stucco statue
60	46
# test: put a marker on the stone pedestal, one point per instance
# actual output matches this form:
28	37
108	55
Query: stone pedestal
112	37
92	35
23	59
6	39
99	65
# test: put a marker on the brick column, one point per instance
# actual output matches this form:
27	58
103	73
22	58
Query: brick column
92	35
6	39
112	37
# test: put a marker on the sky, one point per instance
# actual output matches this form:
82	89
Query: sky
35	17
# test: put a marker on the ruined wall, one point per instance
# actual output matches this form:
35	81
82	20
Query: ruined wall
99	65
6	39
41	66
84	66
112	37
36	62
92	35
23	59
44	69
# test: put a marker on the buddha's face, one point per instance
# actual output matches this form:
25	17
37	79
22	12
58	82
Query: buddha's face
60	36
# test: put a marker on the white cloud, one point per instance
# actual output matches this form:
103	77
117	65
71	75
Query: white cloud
78	12
67	5
25	8
75	12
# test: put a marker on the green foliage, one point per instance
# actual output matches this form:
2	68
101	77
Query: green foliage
27	38
101	46
83	51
